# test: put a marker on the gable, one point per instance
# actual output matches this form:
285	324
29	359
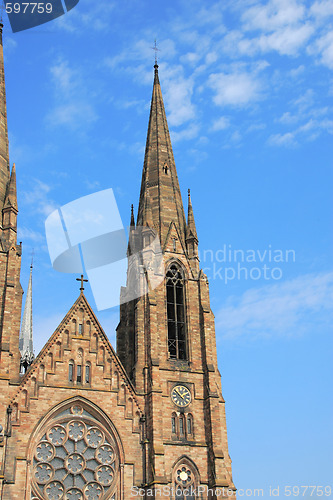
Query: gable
173	234
77	348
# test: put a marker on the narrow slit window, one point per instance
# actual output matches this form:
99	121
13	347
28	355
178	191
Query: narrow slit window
181	426
71	372
80	329
189	425
173	424
79	374
176	314
87	379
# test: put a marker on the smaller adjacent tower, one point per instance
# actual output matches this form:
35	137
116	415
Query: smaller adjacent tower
26	338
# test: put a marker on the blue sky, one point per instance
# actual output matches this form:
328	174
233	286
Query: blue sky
248	91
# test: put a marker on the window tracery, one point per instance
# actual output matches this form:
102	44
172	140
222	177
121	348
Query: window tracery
176	313
75	458
185	482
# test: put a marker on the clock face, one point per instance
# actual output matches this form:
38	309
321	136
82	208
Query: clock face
181	396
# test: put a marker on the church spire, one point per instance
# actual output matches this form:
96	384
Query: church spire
4	154
26	340
160	197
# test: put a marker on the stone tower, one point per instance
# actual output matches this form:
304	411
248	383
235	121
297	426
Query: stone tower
85	422
166	338
10	253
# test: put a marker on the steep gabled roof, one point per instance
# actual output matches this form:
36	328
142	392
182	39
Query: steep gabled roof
58	336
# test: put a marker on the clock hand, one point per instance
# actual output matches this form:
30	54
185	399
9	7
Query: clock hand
179	393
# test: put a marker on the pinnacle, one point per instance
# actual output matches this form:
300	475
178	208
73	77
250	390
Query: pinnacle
191	230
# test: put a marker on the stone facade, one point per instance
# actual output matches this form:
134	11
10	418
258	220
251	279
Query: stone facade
85	422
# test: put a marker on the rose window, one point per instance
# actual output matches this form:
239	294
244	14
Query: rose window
75	458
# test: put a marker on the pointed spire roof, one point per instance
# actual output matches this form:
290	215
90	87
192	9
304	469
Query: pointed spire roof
191	231
4	155
131	242
26	339
132	224
11	196
160	197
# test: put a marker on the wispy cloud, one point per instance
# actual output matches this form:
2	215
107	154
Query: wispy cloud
73	104
309	118
273	15
97	17
178	93
235	89
27	234
190	132
289	308
228	61
220	124
323	47
38	196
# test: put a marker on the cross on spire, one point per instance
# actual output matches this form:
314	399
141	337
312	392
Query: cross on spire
82	281
155	50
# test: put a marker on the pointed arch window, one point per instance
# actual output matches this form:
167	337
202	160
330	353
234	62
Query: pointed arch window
87	373
181	426
186	481
189	429
176	313
71	371
174	423
79	374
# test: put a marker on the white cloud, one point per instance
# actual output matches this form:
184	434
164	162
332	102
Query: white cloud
188	133
288	118
73	114
27	234
312	121
178	94
273	15
97	18
191	58
322	10
73	104
296	72
286	41
304	101
287	308
323	47
287	139
220	124
10	45
235	89
38	196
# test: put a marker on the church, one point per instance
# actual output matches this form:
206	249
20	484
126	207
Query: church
83	421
